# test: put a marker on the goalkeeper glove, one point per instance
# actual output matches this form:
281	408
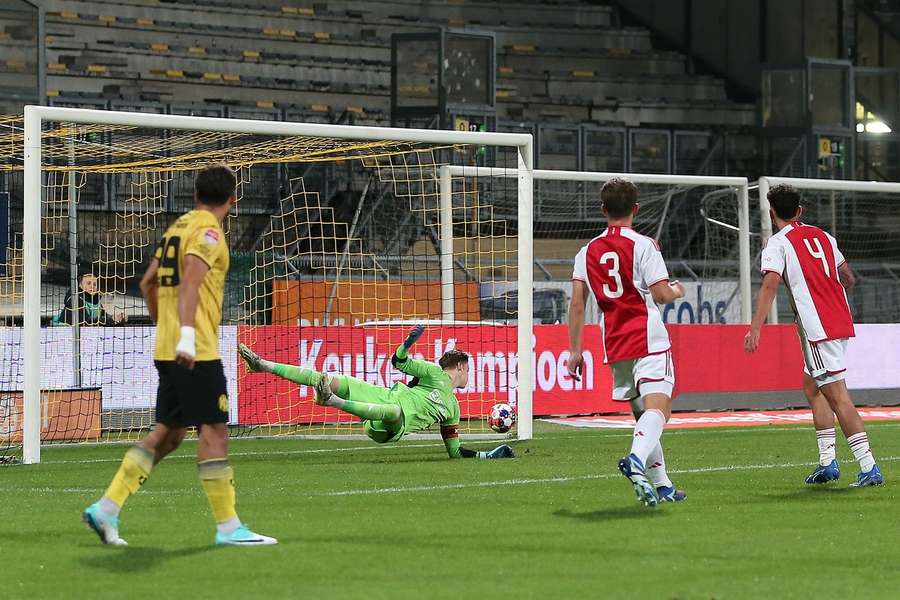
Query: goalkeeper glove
413	336
503	451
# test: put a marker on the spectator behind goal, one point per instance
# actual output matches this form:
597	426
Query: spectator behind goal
87	306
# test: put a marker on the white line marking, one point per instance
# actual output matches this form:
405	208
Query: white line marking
387	448
509	482
456	486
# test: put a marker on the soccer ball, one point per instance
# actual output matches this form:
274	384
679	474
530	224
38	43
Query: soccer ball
502	417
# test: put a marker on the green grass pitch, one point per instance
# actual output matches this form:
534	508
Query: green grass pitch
356	520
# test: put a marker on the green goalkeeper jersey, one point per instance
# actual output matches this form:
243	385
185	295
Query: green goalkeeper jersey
430	400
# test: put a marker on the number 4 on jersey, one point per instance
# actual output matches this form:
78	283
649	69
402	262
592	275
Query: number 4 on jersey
818	252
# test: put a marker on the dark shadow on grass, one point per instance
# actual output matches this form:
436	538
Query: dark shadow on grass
134	559
617	513
811	491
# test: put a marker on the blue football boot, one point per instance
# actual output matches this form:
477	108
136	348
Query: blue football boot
872	477
632	468
825	473
670	494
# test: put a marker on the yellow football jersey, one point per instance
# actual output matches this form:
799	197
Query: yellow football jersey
197	233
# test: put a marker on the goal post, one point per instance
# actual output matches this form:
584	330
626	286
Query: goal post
859	215
735	188
153	151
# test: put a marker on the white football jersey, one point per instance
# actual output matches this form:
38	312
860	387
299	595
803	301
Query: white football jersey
619	266
808	258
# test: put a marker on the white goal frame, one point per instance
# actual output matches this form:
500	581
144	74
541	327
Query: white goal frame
741	184
837	185
35	116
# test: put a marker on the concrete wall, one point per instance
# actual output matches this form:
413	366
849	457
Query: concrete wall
734	38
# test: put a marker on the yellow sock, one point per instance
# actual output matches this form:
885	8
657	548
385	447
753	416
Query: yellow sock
217	479
132	473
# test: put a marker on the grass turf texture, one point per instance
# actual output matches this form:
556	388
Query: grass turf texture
356	520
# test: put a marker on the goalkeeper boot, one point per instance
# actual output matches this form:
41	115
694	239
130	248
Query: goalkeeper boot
872	477
254	363
242	536
323	389
632	468
105	525
670	494
825	473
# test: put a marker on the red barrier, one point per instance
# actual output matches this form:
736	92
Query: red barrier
708	358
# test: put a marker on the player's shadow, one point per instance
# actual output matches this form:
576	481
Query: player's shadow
608	514
138	558
811	492
133	559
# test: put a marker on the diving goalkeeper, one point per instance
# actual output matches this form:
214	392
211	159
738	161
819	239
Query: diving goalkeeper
388	414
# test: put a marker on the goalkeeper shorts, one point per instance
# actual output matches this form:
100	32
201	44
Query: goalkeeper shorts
380	432
189	397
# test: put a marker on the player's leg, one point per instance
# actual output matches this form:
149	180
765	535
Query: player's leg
823	421
366	401
823	417
830	355
256	364
204	401
655	381
633	466
852	425
382	432
138	462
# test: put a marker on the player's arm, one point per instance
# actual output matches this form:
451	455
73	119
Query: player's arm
764	301
195	269
417	368
450	434
845	274
575	362
150	288
664	292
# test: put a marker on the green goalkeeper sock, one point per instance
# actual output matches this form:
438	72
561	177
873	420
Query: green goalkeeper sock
296	374
389	413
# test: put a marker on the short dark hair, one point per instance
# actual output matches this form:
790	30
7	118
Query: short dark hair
215	184
452	358
618	196
784	200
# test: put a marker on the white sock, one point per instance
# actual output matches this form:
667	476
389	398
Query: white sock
109	507
647	432
826	440
656	468
859	445
229	526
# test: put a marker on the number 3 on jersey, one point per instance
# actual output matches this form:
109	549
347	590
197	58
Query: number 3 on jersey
818	252
168	262
612	260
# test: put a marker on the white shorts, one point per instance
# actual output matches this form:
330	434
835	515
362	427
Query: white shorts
824	361
637	377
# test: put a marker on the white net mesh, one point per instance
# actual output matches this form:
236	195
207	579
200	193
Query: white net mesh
695	224
867	227
333	243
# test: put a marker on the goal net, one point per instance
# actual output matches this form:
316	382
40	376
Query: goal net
864	218
338	244
696	220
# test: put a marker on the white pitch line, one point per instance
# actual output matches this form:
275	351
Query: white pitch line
387	448
511	482
458	486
